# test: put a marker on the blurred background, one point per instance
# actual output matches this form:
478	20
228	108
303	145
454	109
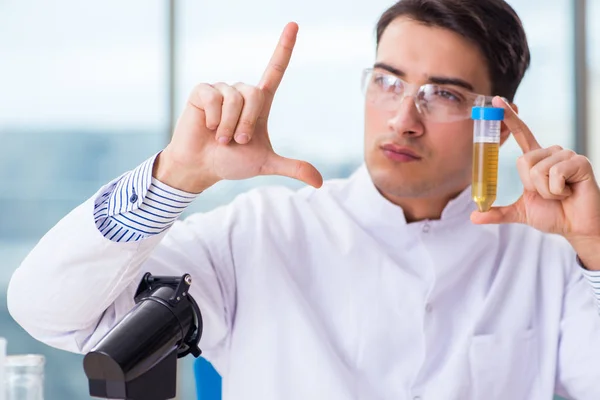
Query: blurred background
89	90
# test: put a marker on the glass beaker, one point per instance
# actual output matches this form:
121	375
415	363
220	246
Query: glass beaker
25	377
2	361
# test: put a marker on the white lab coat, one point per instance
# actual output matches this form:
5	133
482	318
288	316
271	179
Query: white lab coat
330	294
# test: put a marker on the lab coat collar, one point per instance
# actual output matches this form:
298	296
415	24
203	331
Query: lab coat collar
365	201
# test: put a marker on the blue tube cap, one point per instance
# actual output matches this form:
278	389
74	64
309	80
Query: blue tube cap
488	113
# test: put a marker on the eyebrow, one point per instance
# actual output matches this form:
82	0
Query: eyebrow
438	80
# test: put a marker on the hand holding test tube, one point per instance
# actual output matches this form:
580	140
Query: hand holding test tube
560	192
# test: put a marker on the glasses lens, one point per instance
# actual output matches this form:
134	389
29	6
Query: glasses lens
383	90
437	103
443	103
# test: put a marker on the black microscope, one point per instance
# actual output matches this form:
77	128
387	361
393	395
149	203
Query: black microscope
137	358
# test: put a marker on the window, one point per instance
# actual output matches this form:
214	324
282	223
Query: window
83	99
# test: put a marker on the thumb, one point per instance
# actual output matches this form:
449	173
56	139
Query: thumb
497	215
296	169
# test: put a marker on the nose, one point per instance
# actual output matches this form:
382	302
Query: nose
407	120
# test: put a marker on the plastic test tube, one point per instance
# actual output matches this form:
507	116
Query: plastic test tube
486	144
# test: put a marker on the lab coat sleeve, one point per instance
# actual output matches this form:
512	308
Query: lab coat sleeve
579	345
77	283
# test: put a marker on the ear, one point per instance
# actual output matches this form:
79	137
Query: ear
504	131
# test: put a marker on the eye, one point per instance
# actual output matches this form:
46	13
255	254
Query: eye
387	83
447	95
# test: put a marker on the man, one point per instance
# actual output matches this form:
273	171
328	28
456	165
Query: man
386	285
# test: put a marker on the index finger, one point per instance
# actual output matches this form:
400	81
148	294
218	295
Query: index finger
518	128
277	65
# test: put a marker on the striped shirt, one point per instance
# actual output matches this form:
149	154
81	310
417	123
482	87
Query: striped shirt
137	205
593	277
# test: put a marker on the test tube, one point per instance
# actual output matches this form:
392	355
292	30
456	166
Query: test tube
486	144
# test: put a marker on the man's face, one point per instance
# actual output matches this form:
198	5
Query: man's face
440	164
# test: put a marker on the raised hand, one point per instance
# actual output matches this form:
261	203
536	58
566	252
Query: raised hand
222	133
560	194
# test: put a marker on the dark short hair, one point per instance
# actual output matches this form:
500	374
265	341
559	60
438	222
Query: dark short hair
492	25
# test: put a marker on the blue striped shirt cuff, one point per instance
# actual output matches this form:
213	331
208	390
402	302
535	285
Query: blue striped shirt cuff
593	277
136	205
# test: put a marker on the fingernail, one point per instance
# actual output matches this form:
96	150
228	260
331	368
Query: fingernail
223	139
241	138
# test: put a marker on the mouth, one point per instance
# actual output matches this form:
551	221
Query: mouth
399	153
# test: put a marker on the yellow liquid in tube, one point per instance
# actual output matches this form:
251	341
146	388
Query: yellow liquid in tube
485	174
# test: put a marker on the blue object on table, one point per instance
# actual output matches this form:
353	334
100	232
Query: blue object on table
208	380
